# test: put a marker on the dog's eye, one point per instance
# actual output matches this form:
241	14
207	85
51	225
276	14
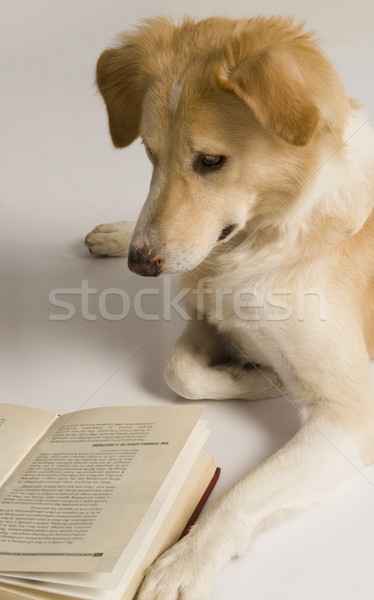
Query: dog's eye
208	162
212	161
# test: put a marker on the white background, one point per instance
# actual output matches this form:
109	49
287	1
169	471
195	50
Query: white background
60	177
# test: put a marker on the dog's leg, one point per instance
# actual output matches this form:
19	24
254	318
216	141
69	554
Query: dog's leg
199	367
110	239
312	464
331	447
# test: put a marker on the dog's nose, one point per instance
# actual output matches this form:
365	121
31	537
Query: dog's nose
145	261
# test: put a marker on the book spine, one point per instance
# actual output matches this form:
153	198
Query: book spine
201	504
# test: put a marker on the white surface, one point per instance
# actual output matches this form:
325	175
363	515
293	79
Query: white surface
60	177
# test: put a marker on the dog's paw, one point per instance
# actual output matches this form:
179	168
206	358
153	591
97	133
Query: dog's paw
235	372
110	239
182	573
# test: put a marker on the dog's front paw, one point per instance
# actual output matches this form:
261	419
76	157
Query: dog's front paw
182	573
110	239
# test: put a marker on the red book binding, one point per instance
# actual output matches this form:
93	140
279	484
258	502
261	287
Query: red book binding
202	502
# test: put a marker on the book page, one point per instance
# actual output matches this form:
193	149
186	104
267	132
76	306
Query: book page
188	497
76	505
20	428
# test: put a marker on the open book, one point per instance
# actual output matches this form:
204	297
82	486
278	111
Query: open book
88	500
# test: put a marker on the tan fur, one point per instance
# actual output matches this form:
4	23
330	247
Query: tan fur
284	304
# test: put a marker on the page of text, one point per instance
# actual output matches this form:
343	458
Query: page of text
20	428
78	501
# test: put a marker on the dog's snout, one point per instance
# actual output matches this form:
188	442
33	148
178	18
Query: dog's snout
145	261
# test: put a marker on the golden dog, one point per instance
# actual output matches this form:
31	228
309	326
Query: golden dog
262	197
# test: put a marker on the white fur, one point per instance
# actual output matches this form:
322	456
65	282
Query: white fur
175	97
111	239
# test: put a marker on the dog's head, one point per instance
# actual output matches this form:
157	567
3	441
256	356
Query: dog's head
233	116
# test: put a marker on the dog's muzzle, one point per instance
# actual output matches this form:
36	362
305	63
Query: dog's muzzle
145	261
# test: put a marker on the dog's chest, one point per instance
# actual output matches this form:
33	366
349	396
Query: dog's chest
247	341
250	317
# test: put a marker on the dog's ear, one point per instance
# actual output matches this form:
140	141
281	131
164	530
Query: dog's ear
122	85
275	77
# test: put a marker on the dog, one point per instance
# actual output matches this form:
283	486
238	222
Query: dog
261	199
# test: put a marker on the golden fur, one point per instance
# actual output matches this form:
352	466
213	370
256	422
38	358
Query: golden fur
276	247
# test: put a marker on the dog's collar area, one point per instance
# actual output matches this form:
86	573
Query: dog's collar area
225	232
